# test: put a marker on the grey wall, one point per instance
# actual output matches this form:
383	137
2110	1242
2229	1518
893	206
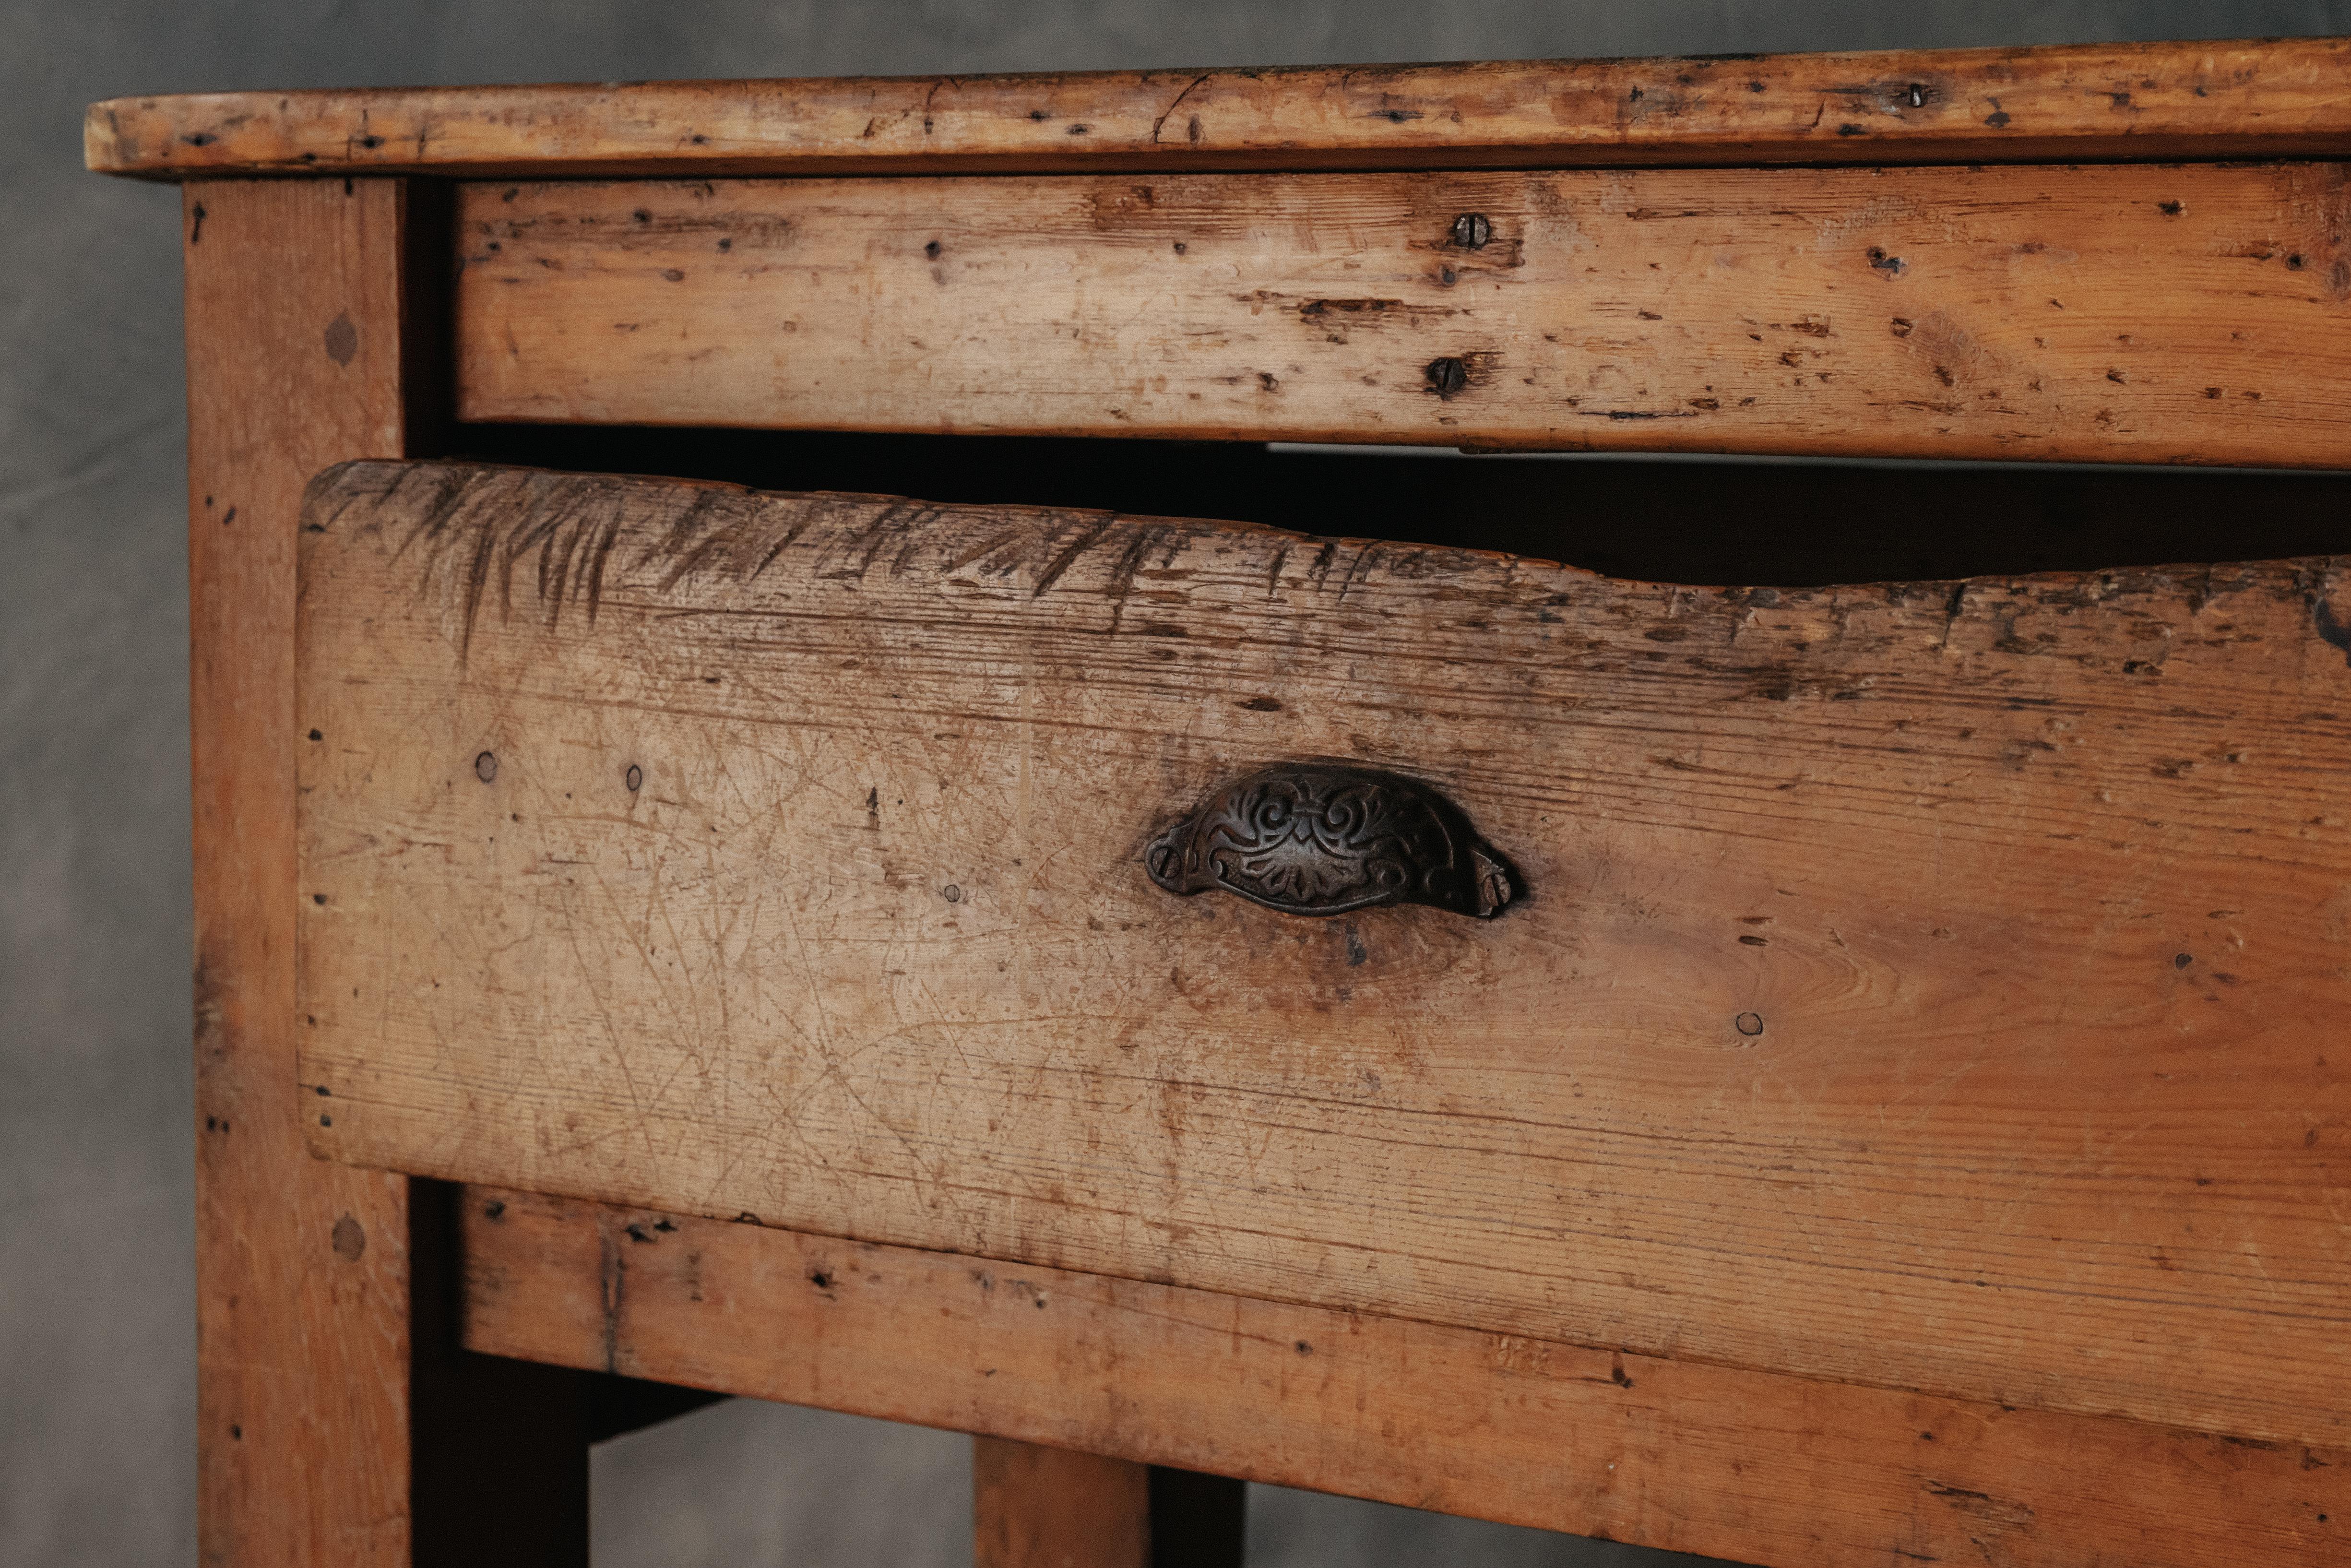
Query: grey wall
97	1391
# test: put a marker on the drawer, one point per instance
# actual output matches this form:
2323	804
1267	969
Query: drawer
1924	985
2098	313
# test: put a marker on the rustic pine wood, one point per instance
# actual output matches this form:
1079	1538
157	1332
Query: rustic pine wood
1035	1507
2034	889
1677	1454
293	313
1923	985
2277	97
318	1367
2153	313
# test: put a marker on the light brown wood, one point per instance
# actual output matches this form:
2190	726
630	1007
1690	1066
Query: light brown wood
1742	1465
2267	98
337	1423
2149	314
1035	1507
1923	985
302	1269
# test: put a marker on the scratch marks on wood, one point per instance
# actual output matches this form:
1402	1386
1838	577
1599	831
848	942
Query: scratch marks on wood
1645	309
2332	630
1680	1454
1980	827
1159	121
1087	534
2193	101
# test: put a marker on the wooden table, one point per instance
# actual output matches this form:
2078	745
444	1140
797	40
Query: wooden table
1811	1075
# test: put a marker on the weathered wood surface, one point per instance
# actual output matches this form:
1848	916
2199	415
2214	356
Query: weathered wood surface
334	1423
2271	98
2150	314
1925	985
1744	1464
293	313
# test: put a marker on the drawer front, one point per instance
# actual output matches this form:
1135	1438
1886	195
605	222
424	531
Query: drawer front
2106	313
1923	985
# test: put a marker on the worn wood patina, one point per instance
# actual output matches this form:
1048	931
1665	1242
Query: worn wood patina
2148	314
1924	985
1892	1119
2277	97
1657	1451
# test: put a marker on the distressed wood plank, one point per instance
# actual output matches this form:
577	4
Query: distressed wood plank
1743	1465
2275	97
302	1272
335	1423
1927	985
2149	314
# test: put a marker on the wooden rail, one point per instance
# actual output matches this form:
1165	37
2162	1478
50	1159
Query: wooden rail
1766	1469
2095	102
2147	313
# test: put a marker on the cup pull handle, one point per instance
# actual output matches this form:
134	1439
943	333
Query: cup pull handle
1319	839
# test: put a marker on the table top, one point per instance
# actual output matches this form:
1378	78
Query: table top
2167	101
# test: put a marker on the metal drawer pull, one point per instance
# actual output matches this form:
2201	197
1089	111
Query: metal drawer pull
1311	838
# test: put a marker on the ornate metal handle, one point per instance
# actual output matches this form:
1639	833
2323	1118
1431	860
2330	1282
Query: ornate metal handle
1311	838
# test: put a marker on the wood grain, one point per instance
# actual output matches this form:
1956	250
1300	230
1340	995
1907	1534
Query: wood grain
2266	98
1924	985
1035	1507
335	1422
1675	1454
2147	314
302	1271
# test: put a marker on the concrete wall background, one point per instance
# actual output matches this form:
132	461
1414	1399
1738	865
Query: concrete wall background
97	1388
